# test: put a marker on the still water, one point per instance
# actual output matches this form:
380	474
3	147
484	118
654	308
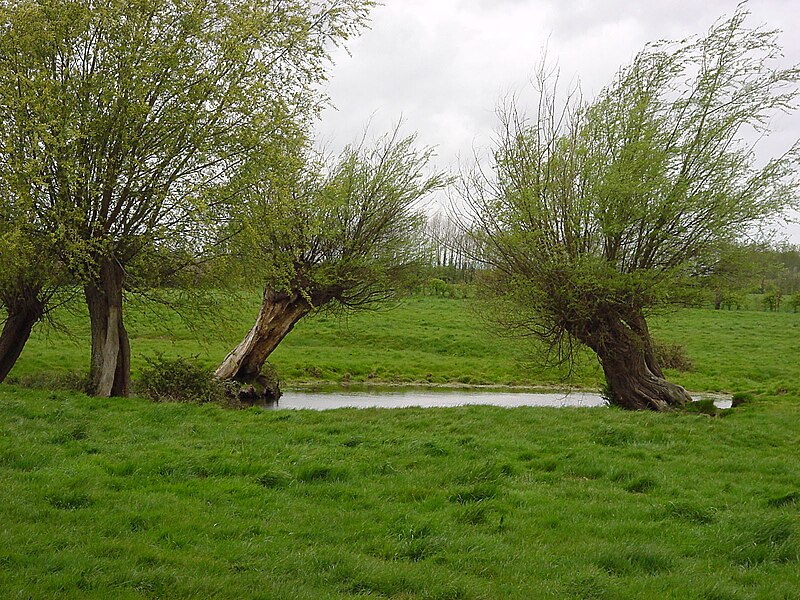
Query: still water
428	398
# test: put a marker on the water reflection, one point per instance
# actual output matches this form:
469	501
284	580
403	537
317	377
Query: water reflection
326	400
377	397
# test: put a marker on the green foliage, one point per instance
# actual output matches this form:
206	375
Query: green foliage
266	60
672	356
593	213
436	287
730	300
772	300
794	302
179	380
738	269
344	232
441	289
130	132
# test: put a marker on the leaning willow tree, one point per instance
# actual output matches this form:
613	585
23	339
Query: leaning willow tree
118	115
594	214
30	279
343	235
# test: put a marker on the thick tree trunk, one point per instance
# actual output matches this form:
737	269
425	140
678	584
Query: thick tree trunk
634	386
638	324
278	315
634	378
110	372
23	314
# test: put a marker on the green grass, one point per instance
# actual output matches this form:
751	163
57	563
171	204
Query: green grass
736	350
127	499
438	341
425	340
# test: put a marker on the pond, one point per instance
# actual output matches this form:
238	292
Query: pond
327	399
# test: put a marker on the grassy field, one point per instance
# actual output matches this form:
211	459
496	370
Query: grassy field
439	340
125	498
128	499
428	340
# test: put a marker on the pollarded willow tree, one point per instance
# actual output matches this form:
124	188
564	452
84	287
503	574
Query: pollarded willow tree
344	235
596	213
118	115
30	279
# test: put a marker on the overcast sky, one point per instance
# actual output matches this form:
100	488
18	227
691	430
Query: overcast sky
443	65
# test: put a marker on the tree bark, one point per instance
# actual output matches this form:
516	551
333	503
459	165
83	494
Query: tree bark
110	371
23	313
634	387
638	325
280	312
632	373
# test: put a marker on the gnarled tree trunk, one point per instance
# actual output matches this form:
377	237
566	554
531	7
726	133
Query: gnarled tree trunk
634	386
24	311
110	372
279	313
638	325
633	375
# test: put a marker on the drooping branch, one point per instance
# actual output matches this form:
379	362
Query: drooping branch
591	213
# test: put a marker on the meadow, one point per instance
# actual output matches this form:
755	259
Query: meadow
428	340
132	499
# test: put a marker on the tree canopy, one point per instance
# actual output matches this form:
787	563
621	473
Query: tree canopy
342	234
117	116
594	213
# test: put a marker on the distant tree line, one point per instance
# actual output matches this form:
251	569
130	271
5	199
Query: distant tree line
747	276
453	251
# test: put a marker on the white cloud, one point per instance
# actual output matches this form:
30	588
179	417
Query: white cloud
442	65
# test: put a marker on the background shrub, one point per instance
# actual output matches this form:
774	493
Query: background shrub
672	356
179	380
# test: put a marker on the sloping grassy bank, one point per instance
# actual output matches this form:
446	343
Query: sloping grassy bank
439	341
127	499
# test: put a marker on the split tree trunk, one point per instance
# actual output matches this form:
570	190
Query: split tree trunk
23	313
279	313
632	372
110	372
